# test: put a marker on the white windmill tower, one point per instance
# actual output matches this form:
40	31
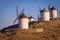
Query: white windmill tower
54	12
22	19
45	15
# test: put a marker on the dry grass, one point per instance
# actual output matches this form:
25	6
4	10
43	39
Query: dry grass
49	33
44	24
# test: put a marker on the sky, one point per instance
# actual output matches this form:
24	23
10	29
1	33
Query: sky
31	8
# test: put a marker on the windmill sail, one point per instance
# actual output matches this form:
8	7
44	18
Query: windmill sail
39	9
49	7
17	14
14	20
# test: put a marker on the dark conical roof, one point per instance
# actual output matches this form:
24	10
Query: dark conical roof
43	10
53	8
30	17
22	15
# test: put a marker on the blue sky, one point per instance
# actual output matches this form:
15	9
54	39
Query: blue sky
31	7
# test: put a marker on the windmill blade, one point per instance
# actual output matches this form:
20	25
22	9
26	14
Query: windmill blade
15	20
49	7
39	8
21	12
18	15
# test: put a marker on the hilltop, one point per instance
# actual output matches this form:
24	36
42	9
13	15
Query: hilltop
51	31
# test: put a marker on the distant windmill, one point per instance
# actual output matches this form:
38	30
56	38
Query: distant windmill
53	11
22	19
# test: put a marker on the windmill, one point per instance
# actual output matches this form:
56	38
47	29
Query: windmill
54	13
22	19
